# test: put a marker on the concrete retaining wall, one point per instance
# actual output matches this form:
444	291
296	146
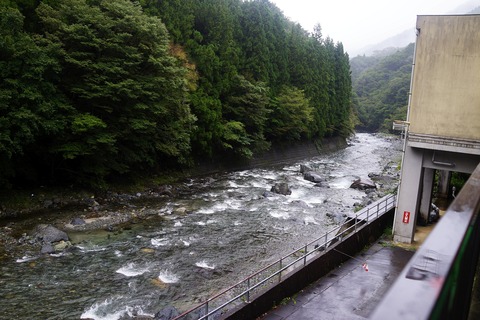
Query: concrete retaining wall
314	270
277	155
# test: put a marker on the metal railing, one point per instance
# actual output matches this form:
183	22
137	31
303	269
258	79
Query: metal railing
437	281
243	291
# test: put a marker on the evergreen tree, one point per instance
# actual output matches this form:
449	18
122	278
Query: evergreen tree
94	88
292	116
247	104
381	87
129	93
31	107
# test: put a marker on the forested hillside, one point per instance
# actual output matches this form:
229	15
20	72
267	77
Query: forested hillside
92	89
381	85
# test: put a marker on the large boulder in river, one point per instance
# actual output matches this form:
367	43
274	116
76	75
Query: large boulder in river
281	188
312	176
167	313
304	168
49	234
363	184
77	222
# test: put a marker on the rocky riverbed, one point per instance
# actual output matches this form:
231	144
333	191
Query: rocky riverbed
40	231
113	212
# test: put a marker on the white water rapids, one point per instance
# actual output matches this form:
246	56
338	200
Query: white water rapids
179	259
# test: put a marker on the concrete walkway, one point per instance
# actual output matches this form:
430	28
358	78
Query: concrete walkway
347	292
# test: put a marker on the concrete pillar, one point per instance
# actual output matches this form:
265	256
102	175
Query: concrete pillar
408	196
444	184
427	190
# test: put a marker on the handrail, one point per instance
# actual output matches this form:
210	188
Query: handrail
290	261
437	281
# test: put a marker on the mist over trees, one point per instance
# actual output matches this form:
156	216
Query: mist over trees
381	85
93	89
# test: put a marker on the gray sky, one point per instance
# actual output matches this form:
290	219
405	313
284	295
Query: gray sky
358	23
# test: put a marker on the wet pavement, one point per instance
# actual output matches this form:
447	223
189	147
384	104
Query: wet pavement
349	291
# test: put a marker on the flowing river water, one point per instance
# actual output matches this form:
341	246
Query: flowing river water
217	231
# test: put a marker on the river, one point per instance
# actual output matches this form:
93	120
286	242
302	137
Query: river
215	232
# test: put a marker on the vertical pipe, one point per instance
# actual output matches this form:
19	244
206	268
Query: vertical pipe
406	128
206	308
280	269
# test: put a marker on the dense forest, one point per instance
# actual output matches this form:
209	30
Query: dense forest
94	89
381	84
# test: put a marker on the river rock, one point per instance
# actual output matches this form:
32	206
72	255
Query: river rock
47	248
135	317
312	176
268	194
167	313
158	283
281	188
62	245
77	222
304	168
164	190
180	211
47	204
49	234
363	184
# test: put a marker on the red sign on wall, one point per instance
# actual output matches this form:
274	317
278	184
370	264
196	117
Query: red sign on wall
406	216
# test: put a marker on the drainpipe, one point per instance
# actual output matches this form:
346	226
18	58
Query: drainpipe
406	127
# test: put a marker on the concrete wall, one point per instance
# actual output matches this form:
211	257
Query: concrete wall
446	82
279	154
314	270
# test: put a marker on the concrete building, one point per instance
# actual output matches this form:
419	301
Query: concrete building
443	121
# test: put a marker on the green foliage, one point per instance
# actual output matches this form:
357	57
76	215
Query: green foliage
228	40
247	103
96	88
128	91
381	86
292	115
458	180
31	107
236	138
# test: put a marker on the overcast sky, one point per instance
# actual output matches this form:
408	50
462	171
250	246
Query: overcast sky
358	23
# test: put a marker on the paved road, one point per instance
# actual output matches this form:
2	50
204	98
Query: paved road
348	292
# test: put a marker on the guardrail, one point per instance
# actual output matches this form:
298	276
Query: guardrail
243	291
437	281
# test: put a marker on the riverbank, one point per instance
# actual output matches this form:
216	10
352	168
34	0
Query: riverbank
39	200
73	209
15	203
178	248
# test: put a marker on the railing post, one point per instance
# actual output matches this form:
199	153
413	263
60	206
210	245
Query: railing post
251	280
280	271
206	308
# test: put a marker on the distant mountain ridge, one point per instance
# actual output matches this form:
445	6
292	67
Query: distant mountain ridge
406	37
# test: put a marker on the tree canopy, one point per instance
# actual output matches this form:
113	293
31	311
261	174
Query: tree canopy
96	88
381	85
